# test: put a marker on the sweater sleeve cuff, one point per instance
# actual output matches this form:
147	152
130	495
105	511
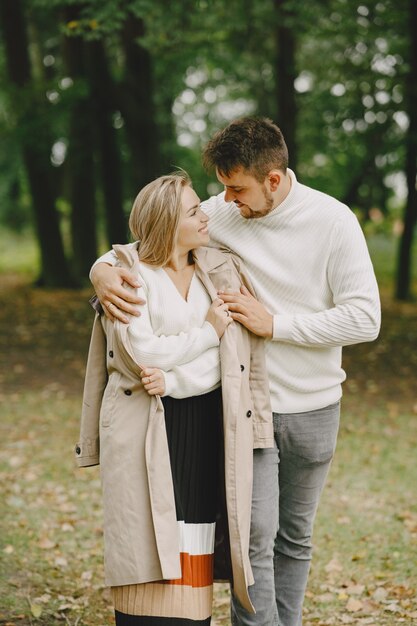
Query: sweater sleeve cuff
169	383
211	335
282	330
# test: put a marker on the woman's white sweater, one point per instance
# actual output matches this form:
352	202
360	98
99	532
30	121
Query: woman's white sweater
173	335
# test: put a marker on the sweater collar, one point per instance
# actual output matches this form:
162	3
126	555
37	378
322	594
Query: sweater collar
292	199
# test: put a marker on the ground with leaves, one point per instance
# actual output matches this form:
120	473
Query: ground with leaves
365	566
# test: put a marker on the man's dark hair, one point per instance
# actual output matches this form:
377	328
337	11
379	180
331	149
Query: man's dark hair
254	143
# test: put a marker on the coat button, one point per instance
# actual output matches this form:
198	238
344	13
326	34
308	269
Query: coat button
249	413
128	392
242	367
78	450
111	354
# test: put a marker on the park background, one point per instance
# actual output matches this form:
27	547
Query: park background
96	99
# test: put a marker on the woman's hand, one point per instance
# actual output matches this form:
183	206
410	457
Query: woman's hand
218	316
153	380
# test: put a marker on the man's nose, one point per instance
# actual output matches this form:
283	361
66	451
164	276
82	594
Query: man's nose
229	195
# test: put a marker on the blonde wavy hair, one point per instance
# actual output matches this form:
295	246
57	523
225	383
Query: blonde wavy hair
155	216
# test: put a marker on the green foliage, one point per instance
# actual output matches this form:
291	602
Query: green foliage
353	73
213	60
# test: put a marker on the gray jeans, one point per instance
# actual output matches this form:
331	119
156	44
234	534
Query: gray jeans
281	560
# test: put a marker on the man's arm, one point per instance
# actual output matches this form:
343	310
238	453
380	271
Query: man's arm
108	282
355	316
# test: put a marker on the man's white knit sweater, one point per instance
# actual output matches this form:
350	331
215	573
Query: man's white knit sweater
310	266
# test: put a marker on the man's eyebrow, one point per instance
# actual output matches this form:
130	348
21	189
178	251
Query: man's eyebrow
235	186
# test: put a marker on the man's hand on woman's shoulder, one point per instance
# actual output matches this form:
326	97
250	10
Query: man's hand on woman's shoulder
115	298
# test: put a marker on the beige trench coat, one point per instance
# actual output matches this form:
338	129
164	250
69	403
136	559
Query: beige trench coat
123	428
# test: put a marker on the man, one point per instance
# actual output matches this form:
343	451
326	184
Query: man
308	261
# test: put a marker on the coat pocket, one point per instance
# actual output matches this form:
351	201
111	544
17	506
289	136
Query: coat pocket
109	400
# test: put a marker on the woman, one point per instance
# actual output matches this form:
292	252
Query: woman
154	407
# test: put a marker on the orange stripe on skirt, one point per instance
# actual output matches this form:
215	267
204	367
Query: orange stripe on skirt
197	570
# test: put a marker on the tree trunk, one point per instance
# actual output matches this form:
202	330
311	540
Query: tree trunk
109	153
403	286
35	147
285	75
137	106
80	159
365	170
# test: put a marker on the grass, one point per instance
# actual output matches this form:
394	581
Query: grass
366	529
18	253
365	563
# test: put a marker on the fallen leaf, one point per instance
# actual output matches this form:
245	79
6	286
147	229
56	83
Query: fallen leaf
380	594
333	566
67	507
353	605
36	610
324	597
8	549
60	561
44	598
355	590
400	591
46	544
15	461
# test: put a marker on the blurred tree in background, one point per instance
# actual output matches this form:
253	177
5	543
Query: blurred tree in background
99	97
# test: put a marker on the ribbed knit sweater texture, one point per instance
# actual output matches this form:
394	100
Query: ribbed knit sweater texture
310	266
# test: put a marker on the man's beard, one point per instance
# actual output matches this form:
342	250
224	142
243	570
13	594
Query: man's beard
267	208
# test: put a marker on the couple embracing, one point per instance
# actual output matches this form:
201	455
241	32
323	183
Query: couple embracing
213	383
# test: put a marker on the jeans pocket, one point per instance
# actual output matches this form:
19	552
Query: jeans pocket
310	438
